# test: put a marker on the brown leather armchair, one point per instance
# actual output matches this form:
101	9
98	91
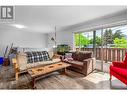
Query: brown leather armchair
82	62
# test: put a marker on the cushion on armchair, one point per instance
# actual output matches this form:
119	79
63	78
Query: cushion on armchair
78	64
82	55
119	64
120	71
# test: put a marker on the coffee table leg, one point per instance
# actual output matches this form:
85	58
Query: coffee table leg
33	83
64	71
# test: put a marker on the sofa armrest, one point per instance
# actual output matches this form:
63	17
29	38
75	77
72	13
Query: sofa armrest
93	61
119	64
56	56
87	59
16	68
89	65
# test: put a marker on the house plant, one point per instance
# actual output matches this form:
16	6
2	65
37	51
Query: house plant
62	49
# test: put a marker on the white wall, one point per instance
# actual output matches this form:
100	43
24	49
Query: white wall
61	38
50	43
21	39
64	38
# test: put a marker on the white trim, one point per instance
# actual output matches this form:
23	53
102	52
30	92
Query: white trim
120	23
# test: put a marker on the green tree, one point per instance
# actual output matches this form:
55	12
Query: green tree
81	40
120	42
98	41
108	37
118	34
77	39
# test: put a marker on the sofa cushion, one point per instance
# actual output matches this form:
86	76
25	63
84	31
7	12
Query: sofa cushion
56	60
50	54
120	71
82	55
21	60
76	62
42	63
37	56
75	55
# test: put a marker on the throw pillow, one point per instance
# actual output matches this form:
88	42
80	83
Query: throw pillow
37	56
68	57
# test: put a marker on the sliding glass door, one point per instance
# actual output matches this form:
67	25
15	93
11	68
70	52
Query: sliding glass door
111	46
108	45
114	45
91	41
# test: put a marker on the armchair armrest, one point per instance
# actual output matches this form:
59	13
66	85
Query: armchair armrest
16	68
116	62
87	59
119	64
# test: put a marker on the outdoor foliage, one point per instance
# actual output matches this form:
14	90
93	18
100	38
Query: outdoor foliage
62	49
120	42
118	34
81	40
98	41
108	37
117	39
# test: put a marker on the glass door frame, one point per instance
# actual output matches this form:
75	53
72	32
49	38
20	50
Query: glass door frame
94	45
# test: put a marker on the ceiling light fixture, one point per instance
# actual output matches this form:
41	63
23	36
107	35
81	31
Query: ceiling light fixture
18	26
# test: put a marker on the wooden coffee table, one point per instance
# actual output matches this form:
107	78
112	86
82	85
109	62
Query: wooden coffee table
37	72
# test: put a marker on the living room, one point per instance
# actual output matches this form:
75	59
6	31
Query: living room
45	47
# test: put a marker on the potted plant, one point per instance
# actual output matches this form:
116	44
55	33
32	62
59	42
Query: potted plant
62	49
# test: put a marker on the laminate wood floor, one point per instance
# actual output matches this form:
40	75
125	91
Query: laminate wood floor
73	80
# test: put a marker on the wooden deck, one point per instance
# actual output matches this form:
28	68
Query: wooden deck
95	80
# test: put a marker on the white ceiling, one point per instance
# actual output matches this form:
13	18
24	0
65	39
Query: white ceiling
43	19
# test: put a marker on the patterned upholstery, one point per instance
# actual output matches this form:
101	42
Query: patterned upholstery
37	56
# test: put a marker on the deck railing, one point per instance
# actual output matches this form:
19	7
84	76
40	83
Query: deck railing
108	54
